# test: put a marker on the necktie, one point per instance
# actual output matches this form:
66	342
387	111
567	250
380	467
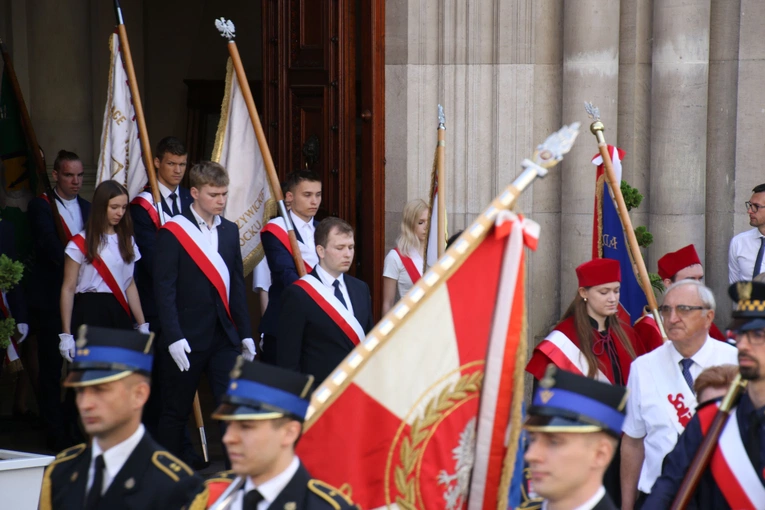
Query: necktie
338	294
94	496
758	260
174	208
251	500
687	362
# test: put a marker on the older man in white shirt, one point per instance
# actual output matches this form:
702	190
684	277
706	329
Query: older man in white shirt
661	399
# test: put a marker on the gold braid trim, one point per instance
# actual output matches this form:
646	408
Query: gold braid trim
220	134
599	194
200	500
46	496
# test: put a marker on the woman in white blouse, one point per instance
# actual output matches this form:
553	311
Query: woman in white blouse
403	264
98	287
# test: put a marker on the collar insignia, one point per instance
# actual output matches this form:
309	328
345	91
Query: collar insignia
290	505
74	476
130	483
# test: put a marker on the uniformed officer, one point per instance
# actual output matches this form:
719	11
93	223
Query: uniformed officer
123	467
734	477
573	428
265	407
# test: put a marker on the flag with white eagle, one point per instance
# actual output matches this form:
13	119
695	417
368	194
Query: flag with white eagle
121	157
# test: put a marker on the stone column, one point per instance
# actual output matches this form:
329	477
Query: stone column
590	73
679	95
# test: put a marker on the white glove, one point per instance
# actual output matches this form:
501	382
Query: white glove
143	328
23	330
248	349
66	346
178	351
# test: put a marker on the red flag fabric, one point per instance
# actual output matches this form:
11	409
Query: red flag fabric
426	411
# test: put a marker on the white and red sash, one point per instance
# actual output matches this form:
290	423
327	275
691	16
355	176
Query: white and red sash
146	201
332	306
279	230
207	260
409	265
106	273
676	396
730	465
67	228
566	355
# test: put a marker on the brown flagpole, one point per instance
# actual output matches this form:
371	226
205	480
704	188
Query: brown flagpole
441	182
226	28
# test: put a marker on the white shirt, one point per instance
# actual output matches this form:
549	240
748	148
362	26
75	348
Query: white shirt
647	415
261	276
208	232
307	231
114	458
395	270
742	255
589	504
165	192
88	279
270	490
329	280
70	213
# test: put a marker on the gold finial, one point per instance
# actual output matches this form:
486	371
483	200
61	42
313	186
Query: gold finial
744	290
237	370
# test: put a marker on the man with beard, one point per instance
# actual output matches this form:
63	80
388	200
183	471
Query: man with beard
734	477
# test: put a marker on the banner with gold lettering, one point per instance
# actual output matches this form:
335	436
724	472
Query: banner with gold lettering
250	200
121	157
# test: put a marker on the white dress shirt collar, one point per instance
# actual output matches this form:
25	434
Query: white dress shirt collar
702	358
589	504
271	489
299	224
165	191
67	203
203	223
327	279
115	457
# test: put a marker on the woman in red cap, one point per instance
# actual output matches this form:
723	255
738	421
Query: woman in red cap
590	340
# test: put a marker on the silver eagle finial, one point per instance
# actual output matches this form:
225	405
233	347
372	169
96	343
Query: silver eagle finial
593	111
441	118
551	151
226	28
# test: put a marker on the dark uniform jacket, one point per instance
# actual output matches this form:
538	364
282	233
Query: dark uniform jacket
151	478
301	493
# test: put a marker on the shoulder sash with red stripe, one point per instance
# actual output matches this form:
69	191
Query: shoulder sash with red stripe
566	355
411	269
67	231
146	201
207	260
104	272
332	306
276	228
730	465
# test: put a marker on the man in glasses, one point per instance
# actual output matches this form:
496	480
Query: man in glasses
734	477
747	248
661	398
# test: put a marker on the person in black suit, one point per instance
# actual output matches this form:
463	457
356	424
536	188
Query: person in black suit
573	427
170	160
204	320
46	278
123	468
311	338
265	407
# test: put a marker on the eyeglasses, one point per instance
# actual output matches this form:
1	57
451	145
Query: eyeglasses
753	207
754	337
680	310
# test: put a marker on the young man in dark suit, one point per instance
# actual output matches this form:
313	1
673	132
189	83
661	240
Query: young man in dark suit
199	287
46	279
325	314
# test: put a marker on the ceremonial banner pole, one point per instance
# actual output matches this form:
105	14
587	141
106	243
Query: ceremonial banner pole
707	448
441	182
597	128
29	131
151	172
227	31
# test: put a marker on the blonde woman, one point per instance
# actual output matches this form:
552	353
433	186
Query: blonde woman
403	264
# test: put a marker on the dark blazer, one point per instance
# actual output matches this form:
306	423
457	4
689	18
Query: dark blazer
16	301
145	235
309	341
187	303
47	274
151	478
283	274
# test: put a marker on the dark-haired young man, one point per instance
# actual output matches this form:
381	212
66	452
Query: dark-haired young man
304	195
46	279
326	313
745	255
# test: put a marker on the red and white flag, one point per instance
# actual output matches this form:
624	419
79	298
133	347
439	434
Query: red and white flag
426	411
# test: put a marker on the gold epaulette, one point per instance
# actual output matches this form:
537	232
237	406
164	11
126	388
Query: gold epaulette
45	490
171	465
71	452
332	495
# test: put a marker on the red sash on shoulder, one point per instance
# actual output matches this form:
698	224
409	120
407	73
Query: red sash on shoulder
207	260
68	233
730	465
327	301
281	234
146	201
104	272
411	269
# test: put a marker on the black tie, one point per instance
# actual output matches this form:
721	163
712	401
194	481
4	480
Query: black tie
338	294
174	207
251	500
94	496
758	261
